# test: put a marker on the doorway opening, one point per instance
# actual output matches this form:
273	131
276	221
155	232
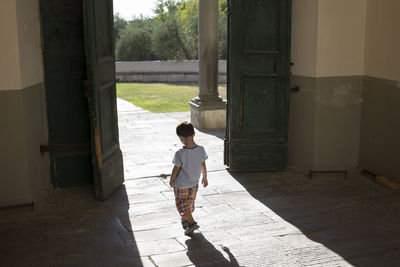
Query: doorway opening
157	70
257	102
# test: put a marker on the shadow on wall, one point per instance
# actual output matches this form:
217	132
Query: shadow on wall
354	217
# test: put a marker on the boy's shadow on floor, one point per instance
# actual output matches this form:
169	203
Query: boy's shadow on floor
201	252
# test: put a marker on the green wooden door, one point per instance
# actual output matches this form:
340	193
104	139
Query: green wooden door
99	49
67	107
258	85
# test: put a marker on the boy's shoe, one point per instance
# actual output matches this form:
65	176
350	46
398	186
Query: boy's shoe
191	228
185	224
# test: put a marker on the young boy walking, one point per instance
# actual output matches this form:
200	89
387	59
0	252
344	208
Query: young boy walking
189	162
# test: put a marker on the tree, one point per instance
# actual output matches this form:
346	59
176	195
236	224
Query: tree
168	42
171	35
135	42
119	25
188	21
223	29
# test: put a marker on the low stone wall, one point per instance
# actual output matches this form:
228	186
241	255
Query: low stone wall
186	71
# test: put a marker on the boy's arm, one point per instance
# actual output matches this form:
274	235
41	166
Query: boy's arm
175	172
204	181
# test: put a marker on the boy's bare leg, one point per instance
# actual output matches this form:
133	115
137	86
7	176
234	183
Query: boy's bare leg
192	225
189	217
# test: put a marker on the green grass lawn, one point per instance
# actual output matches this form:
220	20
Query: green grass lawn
161	97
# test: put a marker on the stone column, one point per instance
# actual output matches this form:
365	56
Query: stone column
208	110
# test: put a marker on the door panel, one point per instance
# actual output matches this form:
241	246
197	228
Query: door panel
252	100
67	107
99	48
261	18
258	85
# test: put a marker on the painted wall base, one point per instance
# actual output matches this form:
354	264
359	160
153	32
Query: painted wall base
380	128
324	122
345	122
24	171
208	115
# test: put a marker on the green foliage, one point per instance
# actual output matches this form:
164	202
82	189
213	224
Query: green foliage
188	21
171	35
135	41
223	35
119	25
168	42
223	6
166	8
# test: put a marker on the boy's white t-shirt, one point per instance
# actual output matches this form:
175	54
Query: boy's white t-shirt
189	159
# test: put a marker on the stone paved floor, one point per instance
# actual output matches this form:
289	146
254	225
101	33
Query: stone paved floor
246	219
148	141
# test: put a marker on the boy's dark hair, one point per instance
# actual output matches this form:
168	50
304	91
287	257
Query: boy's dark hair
185	129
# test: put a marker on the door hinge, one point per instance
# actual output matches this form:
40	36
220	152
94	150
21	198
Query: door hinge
226	151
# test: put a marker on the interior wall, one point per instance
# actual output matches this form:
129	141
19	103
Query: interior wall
324	45
328	56
302	104
341	38
380	126
32	80
29	42
337	122
23	169
304	37
9	63
14	182
383	40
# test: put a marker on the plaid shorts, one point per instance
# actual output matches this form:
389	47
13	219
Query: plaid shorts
184	199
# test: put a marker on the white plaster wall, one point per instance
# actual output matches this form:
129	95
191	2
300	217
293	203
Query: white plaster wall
9	64
304	37
341	37
328	37
21	61
29	37
382	51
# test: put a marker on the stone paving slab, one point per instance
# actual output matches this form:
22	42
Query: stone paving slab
246	219
149	140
